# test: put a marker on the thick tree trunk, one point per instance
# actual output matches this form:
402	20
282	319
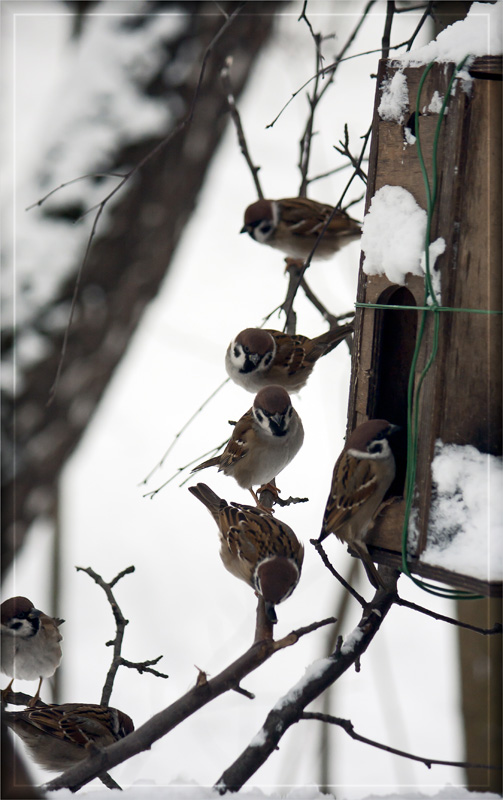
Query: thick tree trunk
128	259
481	700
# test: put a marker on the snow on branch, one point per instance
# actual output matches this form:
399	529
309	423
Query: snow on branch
200	695
319	676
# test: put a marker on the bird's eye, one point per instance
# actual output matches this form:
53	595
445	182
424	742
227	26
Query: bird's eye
246	349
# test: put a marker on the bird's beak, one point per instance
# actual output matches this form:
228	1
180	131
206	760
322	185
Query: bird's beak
254	358
34	613
394	429
244	229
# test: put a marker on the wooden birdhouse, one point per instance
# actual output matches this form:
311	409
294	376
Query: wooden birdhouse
460	400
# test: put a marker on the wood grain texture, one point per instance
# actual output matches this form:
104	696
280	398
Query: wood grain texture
461	396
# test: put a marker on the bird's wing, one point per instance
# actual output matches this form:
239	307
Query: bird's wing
354	482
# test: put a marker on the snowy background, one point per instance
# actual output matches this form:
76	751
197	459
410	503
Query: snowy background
181	602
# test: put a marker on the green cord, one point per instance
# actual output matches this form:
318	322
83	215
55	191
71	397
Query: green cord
413	392
391	307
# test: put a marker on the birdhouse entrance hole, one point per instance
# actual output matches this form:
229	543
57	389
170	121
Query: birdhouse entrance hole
396	334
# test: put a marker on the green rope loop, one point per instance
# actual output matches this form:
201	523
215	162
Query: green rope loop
431	305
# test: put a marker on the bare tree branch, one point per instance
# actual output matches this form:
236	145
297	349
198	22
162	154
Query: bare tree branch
390	11
143	666
160	724
333	67
231	100
183	429
345	151
497	627
292	293
347	725
321	552
120	623
289	709
213	451
313	100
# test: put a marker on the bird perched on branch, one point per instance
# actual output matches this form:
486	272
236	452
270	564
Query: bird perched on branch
59	736
254	546
362	475
258	357
29	642
263	441
294	225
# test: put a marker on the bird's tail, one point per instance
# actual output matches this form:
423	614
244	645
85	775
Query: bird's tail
211	462
326	342
208	497
323	535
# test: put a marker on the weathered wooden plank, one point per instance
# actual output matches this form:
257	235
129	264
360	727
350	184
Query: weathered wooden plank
461	396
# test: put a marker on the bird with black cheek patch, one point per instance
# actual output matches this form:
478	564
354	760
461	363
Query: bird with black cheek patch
259	357
255	547
263	441
30	643
59	736
362	475
294	224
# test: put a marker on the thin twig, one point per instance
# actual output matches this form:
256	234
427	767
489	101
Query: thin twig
347	726
179	470
183	429
74	180
163	722
292	293
321	552
423	19
120	625
291	501
313	100
497	627
231	101
144	666
289	709
345	151
326	71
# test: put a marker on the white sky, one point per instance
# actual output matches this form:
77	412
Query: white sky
181	602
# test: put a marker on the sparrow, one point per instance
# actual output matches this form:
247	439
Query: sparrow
29	642
255	547
263	441
294	224
258	357
362	475
59	736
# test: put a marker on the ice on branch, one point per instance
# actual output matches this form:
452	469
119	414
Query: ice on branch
465	532
393	237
